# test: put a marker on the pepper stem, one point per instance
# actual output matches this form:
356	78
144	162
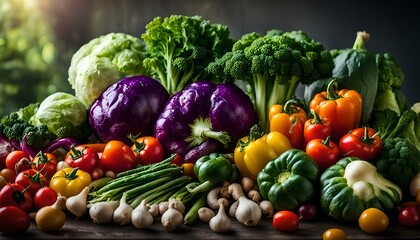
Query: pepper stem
331	88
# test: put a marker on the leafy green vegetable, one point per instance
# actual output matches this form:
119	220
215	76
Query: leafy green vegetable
272	66
60	110
356	69
103	61
412	131
180	47
390	81
389	124
399	161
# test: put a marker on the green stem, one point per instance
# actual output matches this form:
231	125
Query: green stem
361	39
204	187
331	88
192	215
201	130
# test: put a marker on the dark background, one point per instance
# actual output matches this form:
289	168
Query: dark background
393	25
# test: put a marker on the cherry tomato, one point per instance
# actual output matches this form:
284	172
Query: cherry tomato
324	152
118	157
8	175
334	234
31	179
285	220
13	220
364	143
409	216
317	127
178	160
82	157
13	161
148	149
46	163
373	220
15	195
45	196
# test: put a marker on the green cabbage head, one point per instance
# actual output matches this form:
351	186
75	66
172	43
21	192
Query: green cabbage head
103	61
60	110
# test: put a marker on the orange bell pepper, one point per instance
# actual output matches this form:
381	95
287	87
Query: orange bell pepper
289	120
342	107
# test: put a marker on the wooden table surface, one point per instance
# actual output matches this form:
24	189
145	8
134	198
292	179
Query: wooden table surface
84	228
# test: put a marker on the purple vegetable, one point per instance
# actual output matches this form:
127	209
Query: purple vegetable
6	146
129	106
64	143
202	113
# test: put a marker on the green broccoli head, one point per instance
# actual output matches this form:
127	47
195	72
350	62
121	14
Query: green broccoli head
273	65
179	48
38	136
399	161
390	81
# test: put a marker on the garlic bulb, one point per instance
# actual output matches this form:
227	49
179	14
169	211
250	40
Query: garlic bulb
102	212
141	218
122	214
171	219
248	212
220	222
77	204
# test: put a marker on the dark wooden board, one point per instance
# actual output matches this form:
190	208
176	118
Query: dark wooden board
84	228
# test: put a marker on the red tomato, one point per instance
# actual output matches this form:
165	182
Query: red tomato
31	179
148	149
8	175
13	220
317	127
409	217
178	160
285	220
364	143
324	152
15	195
13	161
82	157
118	157
45	196
46	163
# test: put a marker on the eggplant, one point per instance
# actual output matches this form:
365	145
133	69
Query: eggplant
129	106
204	117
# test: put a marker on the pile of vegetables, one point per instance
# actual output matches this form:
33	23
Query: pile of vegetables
185	124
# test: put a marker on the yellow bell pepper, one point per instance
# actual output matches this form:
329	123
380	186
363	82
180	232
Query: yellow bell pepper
254	151
70	181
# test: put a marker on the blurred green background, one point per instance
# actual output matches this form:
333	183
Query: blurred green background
38	38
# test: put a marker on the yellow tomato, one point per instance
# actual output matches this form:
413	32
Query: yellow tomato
334	234
373	220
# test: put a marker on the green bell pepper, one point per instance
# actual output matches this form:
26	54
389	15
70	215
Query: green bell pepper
211	170
288	180
352	185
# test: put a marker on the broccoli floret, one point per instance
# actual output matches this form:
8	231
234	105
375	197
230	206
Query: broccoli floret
390	81
273	65
180	47
16	126
13	127
38	136
399	161
80	133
